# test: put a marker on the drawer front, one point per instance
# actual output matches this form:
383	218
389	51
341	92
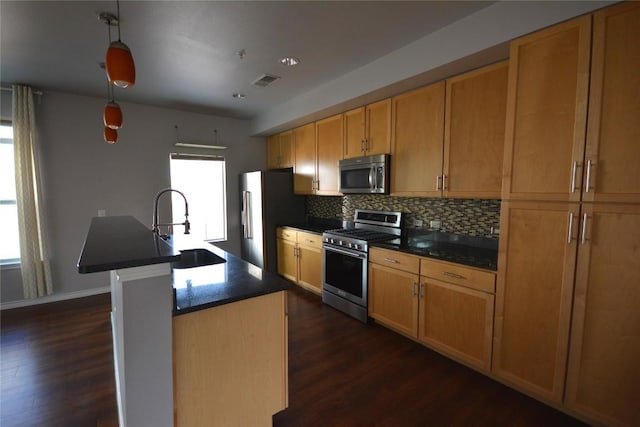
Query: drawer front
310	239
453	273
395	259
286	234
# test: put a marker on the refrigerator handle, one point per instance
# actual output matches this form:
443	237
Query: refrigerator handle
243	214
248	216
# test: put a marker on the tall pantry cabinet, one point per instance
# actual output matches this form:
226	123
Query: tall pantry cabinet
568	291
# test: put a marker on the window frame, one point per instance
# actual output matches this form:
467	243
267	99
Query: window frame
208	157
9	263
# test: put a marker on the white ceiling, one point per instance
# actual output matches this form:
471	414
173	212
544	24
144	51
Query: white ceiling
186	51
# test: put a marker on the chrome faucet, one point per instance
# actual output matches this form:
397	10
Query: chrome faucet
156	225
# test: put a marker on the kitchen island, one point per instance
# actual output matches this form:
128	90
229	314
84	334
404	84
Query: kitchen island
212	348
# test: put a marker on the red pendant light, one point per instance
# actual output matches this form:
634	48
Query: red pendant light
112	115
110	135
121	70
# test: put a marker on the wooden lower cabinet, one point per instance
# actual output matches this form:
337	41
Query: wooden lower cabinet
231	363
603	375
455	320
300	258
393	298
533	298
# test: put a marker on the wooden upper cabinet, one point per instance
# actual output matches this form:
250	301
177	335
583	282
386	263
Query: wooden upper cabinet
603	373
329	152
304	167
280	150
367	130
547	112
613	137
533	295
474	133
417	142
286	149
273	152
354	133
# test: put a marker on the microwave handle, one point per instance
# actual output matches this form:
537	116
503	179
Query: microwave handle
371	178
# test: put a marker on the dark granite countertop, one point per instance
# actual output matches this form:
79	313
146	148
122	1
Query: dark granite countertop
115	242
199	288
472	251
316	225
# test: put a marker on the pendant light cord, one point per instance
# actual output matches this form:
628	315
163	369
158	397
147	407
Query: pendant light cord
118	12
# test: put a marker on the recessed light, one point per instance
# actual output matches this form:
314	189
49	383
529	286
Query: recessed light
290	61
239	95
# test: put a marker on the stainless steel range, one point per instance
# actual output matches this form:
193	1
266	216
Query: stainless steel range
345	256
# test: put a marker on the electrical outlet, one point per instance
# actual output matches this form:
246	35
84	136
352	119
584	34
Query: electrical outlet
435	225
102	212
417	223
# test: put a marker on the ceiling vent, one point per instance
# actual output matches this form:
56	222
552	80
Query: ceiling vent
265	80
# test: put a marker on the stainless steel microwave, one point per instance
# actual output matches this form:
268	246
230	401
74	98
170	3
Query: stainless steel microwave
368	174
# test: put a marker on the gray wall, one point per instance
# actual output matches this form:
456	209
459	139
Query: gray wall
478	39
81	174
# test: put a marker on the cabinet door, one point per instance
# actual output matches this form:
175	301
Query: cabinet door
354	133
310	267
229	358
287	260
393	298
457	321
536	263
304	168
273	152
613	140
378	128
546	113
286	149
329	152
417	142
474	133
603	373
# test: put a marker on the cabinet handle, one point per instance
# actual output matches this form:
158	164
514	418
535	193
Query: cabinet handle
584	228
415	288
588	184
444	182
366	144
362	145
574	171
454	275
570	236
391	260
438	183
421	295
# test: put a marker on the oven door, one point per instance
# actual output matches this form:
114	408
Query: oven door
344	273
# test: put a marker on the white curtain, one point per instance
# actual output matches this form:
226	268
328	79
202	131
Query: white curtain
34	257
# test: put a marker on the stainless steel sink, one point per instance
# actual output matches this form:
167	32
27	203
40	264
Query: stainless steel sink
197	258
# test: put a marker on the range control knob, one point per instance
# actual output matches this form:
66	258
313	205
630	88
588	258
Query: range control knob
350	245
356	246
340	242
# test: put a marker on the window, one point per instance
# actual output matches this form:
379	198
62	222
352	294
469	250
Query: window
202	180
10	242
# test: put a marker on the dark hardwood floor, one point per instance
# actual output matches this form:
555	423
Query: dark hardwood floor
57	370
57	365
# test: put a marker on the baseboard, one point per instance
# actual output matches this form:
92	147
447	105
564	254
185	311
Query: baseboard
54	298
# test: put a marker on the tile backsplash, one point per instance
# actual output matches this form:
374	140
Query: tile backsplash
473	217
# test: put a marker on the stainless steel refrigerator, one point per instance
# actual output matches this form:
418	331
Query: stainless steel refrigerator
267	202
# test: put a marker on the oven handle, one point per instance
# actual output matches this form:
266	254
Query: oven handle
345	252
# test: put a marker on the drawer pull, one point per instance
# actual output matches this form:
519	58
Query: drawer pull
391	260
454	275
415	289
